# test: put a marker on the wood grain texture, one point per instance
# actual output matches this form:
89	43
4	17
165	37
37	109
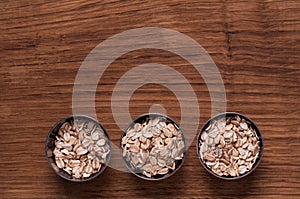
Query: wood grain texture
256	46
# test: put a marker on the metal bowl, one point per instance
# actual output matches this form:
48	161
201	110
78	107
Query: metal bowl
253	125
50	145
178	163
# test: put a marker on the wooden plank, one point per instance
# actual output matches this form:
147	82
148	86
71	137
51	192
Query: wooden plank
256	46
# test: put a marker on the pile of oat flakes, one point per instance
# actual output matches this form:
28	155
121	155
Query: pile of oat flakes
229	147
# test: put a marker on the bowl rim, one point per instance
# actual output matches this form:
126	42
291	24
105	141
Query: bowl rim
258	132
166	175
59	123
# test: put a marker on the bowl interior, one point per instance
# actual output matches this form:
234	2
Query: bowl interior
50	145
253	125
141	119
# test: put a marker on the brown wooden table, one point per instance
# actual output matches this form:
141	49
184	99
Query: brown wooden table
255	44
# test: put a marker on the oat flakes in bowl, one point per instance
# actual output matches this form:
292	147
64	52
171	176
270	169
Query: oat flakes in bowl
153	147
230	146
78	148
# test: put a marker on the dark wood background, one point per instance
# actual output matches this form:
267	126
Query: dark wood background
255	44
